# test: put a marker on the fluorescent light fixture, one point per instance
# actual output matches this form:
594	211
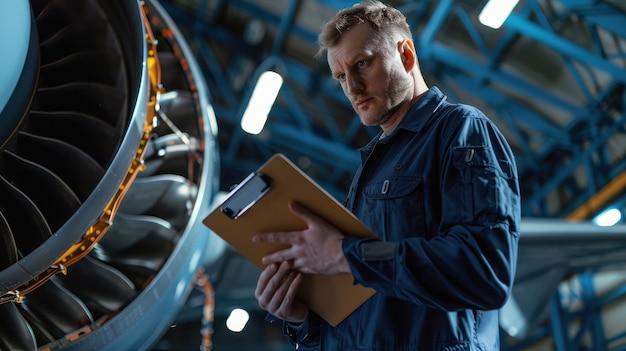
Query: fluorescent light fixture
237	320
608	218
496	12
261	101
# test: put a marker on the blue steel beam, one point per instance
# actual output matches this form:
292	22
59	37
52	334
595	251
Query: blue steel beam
563	46
285	27
598	13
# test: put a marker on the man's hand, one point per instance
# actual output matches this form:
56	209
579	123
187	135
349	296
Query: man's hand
316	249
276	292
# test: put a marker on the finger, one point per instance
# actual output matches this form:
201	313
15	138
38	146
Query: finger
291	309
264	278
271	296
278	256
271	276
279	298
294	286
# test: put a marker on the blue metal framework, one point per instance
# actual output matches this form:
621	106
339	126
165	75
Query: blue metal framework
552	78
575	320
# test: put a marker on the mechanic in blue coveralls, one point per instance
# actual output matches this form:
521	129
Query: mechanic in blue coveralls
438	185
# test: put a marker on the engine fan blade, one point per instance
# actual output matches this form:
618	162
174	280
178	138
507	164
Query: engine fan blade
108	289
56	201
166	196
84	66
15	332
29	227
96	137
42	336
56	309
62	159
53	16
81	35
8	253
99	100
129	230
144	257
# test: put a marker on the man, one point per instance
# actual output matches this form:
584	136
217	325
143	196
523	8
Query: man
438	186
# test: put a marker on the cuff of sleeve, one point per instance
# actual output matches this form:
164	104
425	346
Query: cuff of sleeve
293	331
297	333
367	257
351	247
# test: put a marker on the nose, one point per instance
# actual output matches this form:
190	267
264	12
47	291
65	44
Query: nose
354	85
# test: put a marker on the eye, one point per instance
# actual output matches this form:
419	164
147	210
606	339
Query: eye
362	64
340	76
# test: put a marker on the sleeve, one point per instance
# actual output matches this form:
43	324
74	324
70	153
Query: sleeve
468	258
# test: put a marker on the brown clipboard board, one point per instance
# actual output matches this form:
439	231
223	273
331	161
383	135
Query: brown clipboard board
332	297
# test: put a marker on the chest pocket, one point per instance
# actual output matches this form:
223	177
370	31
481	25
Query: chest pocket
393	207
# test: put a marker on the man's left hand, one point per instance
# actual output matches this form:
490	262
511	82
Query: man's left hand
316	249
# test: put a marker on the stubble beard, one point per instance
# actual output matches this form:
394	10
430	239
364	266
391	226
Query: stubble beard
397	92
382	117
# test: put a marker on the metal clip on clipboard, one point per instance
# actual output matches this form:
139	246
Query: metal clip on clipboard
245	195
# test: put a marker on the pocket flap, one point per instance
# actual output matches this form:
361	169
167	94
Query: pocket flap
392	187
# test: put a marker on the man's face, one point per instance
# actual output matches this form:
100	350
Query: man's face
371	74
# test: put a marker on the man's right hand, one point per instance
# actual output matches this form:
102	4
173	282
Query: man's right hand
276	292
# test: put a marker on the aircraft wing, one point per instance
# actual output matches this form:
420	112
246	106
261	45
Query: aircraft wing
549	251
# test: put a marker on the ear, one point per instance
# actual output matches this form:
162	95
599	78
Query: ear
407	54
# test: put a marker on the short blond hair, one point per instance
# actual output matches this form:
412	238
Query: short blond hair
383	19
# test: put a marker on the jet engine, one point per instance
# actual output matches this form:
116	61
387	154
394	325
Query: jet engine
108	163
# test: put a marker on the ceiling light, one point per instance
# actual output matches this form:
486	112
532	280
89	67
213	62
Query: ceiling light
496	12
237	320
608	218
261	102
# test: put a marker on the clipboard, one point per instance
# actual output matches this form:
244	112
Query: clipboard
260	204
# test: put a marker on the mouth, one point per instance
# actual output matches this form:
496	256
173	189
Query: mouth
362	103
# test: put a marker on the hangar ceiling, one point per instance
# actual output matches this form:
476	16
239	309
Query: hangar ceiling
552	77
